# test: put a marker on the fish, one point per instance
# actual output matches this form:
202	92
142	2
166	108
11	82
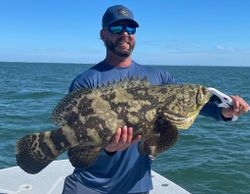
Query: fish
86	119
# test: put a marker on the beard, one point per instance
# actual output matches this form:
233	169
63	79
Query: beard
115	47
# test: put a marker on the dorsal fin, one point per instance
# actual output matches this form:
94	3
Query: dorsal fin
59	114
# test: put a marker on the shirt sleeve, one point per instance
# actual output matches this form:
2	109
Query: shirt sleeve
167	78
212	110
80	81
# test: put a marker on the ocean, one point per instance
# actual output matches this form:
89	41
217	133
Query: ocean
210	157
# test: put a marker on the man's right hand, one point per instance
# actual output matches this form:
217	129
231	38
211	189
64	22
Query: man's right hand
122	138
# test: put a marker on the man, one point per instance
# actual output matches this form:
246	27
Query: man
120	168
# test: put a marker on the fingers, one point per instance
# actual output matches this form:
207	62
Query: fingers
125	138
121	139
129	135
239	105
116	137
137	138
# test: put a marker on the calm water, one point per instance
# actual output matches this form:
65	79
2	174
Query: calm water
210	157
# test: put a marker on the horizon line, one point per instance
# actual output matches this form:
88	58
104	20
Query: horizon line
80	63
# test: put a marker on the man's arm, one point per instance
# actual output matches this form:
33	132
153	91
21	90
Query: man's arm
240	106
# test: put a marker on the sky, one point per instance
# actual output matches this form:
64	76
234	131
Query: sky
171	32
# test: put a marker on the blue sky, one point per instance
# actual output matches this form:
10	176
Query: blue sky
172	32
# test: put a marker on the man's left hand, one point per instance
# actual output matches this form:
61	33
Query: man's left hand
240	106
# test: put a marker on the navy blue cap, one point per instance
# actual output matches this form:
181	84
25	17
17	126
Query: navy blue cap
117	13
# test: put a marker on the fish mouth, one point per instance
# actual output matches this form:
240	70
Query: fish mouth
203	96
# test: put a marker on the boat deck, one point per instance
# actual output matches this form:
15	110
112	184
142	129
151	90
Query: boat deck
50	181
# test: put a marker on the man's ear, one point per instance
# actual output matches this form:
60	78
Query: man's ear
103	34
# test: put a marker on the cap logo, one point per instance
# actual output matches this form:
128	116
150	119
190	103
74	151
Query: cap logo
122	12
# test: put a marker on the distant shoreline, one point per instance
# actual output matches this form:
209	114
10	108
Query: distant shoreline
74	63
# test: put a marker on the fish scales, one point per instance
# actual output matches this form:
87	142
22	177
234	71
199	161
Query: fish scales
88	118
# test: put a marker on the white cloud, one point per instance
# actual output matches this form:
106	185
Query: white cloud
219	47
226	48
211	57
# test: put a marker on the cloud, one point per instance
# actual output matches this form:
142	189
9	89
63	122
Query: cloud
219	47
226	48
217	55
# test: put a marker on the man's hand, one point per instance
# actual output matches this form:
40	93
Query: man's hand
240	106
121	139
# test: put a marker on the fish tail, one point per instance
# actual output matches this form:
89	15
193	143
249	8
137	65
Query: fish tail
34	152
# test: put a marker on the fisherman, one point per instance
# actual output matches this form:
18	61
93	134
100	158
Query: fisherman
120	168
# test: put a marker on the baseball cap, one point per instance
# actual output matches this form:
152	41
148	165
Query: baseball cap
117	13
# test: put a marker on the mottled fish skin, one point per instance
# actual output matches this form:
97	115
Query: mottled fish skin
88	118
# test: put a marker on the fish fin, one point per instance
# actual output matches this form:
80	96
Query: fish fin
159	142
83	157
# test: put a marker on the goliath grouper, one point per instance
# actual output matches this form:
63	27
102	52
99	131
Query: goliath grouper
88	118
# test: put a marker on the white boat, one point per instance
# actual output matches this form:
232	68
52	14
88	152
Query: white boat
14	180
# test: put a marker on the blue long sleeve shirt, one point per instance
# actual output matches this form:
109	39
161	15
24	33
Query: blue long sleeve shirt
125	171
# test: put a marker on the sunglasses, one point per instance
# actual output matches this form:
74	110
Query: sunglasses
120	28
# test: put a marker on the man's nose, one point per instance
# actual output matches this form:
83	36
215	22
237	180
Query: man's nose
124	32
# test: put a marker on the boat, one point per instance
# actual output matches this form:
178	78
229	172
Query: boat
14	180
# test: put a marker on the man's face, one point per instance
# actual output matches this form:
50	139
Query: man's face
121	44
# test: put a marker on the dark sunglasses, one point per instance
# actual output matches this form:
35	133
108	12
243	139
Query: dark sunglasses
120	28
